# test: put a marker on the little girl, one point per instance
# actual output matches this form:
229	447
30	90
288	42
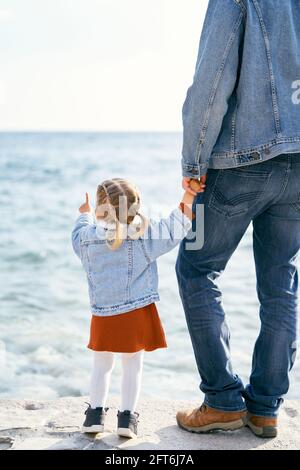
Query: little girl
118	248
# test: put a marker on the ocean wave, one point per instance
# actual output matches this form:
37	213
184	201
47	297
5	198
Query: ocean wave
44	302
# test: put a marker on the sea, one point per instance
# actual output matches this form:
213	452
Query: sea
44	309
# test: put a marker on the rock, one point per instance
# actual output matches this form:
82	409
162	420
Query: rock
32	405
6	442
55	425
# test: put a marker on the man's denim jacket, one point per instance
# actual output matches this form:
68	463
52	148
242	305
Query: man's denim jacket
244	104
125	279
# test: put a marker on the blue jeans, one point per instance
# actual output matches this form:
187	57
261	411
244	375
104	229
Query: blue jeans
268	195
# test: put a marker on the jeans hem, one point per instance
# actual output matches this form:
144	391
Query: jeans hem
225	408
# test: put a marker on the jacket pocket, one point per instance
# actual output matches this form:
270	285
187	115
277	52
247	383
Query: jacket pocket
237	190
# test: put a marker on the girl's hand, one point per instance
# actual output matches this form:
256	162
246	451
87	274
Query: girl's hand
188	198
194	186
86	206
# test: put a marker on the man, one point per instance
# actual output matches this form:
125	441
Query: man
242	139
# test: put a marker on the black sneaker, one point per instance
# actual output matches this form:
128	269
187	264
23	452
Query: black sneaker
127	424
94	421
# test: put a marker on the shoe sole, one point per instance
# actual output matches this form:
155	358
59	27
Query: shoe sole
126	432
93	429
230	426
265	432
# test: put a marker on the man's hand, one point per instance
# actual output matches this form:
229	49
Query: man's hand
194	186
86	206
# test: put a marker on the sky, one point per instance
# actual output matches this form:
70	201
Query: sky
104	65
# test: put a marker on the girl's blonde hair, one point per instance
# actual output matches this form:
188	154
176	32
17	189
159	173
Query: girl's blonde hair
118	203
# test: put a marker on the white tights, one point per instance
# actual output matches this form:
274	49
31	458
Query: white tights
132	366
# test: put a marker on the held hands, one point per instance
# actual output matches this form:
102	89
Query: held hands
191	187
86	206
194	186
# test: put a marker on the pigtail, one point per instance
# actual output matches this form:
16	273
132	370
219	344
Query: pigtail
114	238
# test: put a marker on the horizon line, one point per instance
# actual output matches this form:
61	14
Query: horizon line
87	131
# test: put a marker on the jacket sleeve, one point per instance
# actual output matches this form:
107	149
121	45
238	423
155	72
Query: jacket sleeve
83	221
214	80
163	235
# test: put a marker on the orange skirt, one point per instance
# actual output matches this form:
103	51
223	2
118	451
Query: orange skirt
128	332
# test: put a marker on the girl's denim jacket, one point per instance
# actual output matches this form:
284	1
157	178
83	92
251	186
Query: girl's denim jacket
125	279
244	104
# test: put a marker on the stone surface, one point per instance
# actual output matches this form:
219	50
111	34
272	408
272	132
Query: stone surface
56	425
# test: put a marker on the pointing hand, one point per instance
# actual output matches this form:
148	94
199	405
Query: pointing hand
86	206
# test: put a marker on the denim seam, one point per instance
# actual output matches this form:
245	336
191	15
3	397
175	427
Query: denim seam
257	148
93	293
240	3
90	276
144	250
99	241
247	173
80	246
284	184
235	201
148	262
233	128
194	166
216	82
93	242
109	311
129	271
213	188
224	408
271	71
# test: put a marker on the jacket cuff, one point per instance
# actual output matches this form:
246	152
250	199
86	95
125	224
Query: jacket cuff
194	170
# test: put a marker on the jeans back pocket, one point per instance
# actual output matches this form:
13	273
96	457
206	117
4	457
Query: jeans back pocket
237	190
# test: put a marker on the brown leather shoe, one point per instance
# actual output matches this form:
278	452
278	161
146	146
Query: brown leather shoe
206	419
262	426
